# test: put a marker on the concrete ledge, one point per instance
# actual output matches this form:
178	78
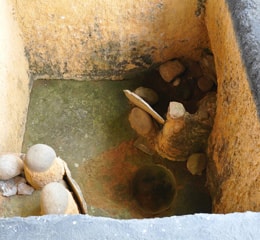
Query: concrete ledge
200	226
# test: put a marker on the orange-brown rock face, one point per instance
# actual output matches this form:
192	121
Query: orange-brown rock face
234	168
98	39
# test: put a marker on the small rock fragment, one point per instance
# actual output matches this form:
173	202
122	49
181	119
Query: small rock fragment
205	84
10	166
19	179
176	82
171	70
176	110
148	94
196	163
24	189
8	188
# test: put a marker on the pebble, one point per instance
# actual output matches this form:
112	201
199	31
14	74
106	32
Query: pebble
171	70
147	94
8	188
196	163
10	166
140	121
176	82
205	84
16	185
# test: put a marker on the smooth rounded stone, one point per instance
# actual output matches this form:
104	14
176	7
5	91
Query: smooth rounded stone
39	157
205	84
139	102
196	163
141	121
56	199
148	94
171	70
10	166
41	166
176	82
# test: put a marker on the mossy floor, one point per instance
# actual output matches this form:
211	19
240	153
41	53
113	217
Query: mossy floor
86	123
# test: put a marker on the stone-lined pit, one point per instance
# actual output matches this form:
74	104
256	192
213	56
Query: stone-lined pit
154	188
86	41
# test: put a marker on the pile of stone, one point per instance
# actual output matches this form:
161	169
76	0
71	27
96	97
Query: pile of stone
41	169
179	135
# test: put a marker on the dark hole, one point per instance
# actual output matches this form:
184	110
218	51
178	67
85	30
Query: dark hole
154	188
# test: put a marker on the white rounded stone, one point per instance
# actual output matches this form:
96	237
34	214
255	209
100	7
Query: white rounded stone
10	166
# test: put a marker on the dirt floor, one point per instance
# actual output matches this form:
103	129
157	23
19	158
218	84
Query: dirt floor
86	123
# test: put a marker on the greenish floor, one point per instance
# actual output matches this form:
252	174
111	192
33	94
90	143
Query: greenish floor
86	123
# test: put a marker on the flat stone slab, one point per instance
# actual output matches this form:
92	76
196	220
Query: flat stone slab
199	226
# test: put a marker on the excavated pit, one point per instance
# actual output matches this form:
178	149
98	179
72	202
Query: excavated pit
87	125
86	122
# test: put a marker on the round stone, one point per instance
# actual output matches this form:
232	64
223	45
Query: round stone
141	121
40	157
10	166
196	163
147	94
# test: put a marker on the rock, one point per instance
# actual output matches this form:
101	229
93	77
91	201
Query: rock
207	65
193	69
42	166
196	163
205	84
8	188
176	110
16	185
24	189
147	94
139	102
176	82
141	121
19	179
10	166
56	199
171	70
184	133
